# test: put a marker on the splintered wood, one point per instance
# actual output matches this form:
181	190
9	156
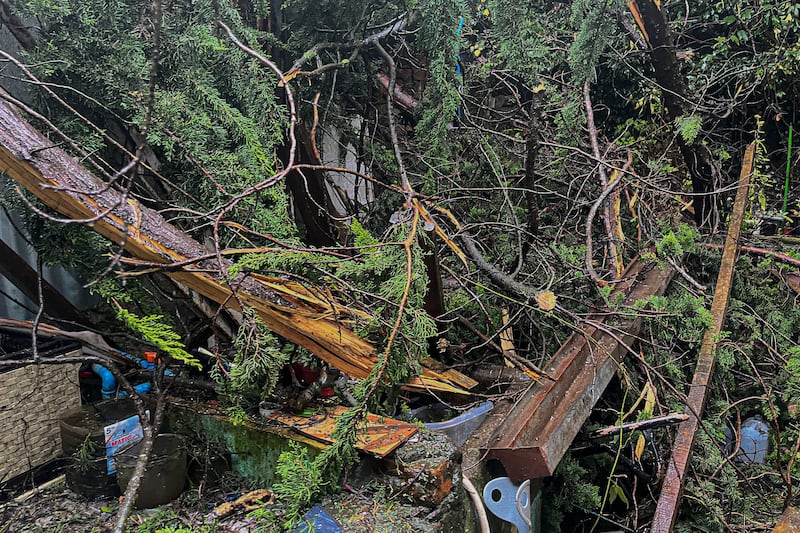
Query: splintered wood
667	508
377	435
302	315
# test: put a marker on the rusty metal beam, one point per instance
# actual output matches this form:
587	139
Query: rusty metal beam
667	508
537	431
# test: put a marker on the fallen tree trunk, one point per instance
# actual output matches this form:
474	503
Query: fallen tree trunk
296	313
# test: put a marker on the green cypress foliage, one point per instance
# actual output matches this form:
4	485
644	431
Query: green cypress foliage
155	331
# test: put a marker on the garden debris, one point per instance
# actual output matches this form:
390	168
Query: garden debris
377	435
421	472
244	504
640	425
667	508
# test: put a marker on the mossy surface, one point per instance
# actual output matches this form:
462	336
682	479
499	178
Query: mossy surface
254	448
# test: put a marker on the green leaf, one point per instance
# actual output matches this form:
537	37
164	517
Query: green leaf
159	334
689	127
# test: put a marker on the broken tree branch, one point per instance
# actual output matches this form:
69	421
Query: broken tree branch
616	263
150	432
650	423
782	257
529	369
312	321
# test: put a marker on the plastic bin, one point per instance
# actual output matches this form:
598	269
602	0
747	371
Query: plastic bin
83	430
461	427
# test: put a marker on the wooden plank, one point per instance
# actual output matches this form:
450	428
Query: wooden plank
667	507
377	435
537	431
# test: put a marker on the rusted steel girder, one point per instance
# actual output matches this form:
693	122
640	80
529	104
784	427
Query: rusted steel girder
667	508
537	431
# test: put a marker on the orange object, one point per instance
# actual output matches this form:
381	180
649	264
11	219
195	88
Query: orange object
150	357
377	435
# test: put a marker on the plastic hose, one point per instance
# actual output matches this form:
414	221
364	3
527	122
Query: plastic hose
480	510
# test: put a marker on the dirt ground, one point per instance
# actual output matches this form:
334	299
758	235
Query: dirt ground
58	509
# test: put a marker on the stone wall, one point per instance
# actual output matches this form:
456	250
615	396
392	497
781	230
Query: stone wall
31	401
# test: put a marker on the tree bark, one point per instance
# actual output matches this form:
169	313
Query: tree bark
675	91
18	29
311	196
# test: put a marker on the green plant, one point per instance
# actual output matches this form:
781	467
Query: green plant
689	127
85	455
155	331
254	370
677	242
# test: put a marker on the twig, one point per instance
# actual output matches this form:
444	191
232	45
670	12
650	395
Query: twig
38	318
480	510
612	245
650	423
589	220
272	180
494	273
149	430
685	275
390	94
780	256
526	366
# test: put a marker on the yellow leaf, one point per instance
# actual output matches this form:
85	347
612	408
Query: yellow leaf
639	447
289	76
546	300
649	401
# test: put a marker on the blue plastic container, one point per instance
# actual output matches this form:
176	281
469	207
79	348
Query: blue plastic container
318	521
755	441
461	427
